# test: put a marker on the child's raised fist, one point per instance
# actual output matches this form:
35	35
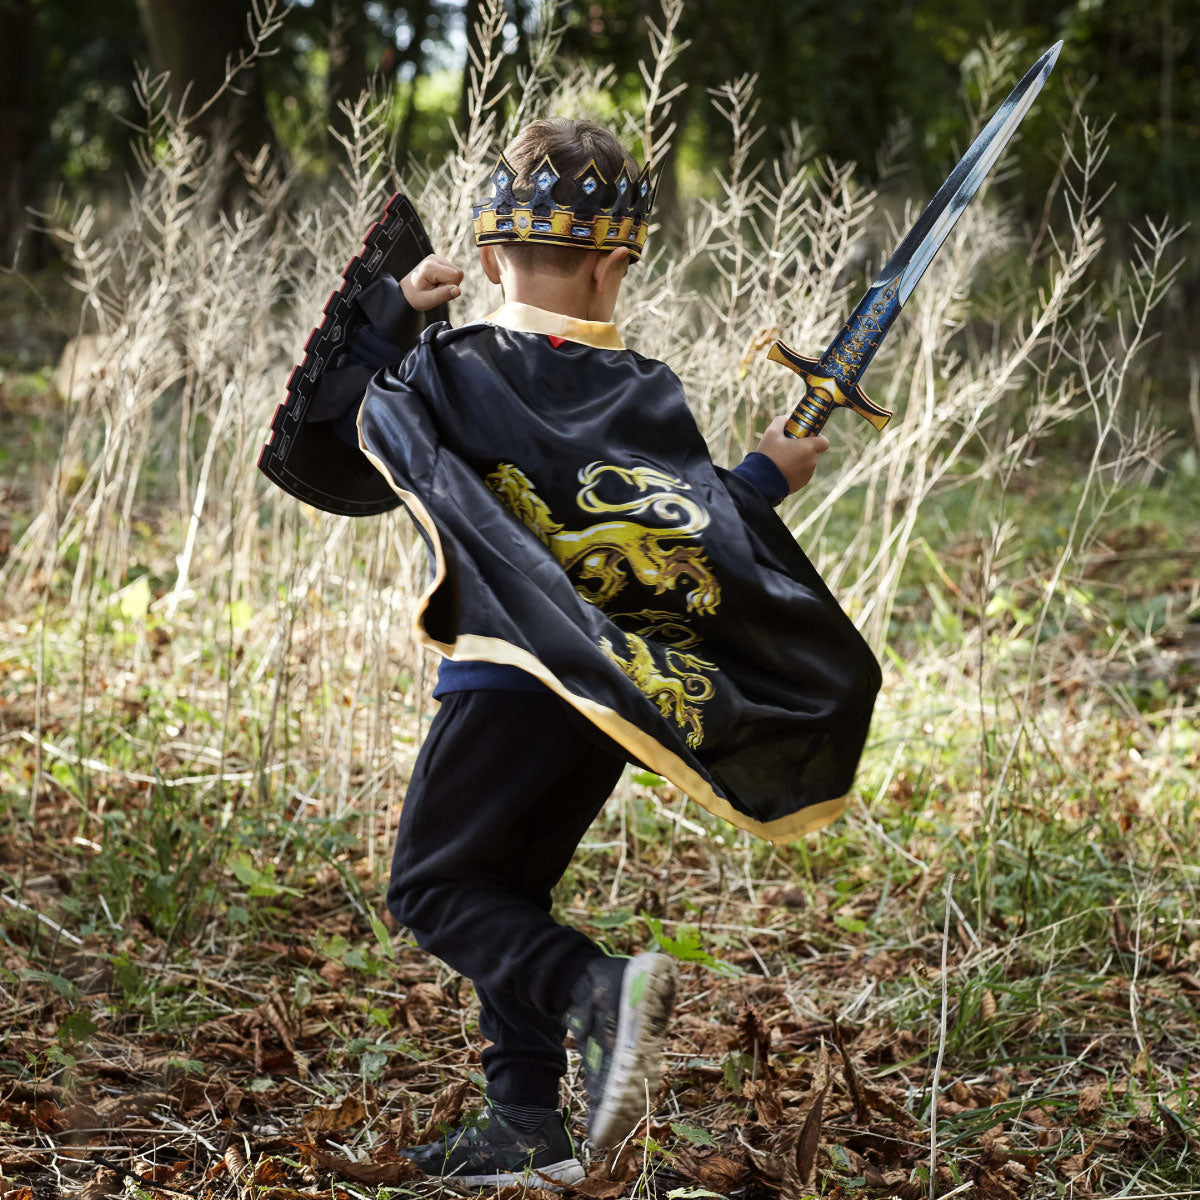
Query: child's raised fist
795	457
433	281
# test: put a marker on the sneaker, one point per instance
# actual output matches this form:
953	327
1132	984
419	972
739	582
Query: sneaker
619	1013
491	1153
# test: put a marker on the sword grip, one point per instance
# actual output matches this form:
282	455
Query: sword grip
809	416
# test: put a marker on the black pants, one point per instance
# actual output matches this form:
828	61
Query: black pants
504	788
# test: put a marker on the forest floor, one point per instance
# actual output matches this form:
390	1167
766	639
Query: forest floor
990	965
204	997
175	1024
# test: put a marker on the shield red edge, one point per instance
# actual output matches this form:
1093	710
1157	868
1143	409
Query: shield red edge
302	456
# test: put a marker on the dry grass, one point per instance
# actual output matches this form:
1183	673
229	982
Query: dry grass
211	703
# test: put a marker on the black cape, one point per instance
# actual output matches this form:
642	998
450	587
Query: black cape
579	530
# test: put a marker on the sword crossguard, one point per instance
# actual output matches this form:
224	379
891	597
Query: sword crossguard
821	395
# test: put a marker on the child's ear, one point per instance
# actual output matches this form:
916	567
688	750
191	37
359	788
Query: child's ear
610	264
490	263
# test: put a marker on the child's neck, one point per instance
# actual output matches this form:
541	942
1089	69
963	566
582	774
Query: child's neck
563	296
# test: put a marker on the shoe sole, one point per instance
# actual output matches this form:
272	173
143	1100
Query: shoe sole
566	1172
647	997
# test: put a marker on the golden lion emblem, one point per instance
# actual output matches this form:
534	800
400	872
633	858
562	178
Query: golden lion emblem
678	695
604	555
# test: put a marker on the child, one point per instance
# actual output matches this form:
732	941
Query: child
601	594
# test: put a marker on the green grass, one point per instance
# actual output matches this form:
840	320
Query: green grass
186	868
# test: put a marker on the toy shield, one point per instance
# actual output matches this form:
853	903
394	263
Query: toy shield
301	453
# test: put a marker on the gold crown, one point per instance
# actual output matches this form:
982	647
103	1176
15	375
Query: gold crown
588	222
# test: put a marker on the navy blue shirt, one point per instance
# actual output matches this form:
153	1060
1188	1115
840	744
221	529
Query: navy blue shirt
368	347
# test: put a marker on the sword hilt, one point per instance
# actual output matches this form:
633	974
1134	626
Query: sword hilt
821	394
809	416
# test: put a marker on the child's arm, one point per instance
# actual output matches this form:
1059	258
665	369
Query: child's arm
390	319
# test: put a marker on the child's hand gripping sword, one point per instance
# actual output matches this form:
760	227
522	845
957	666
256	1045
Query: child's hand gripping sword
833	379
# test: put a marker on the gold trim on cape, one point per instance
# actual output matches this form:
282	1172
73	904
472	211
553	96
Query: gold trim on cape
525	318
470	647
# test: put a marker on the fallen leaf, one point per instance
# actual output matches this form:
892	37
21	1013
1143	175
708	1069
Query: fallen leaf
287	1193
1091	1101
334	973
1176	1129
1039	1117
800	1165
754	1038
403	1129
713	1171
332	1120
878	1100
370	1174
599	1189
238	1167
992	1187
1145	1131
987	1007
765	1163
275	1012
1076	1171
612	1177
720	1173
106	1182
269	1173
861	1110
115	1110
422	1004
447	1109
764	1095
46	1117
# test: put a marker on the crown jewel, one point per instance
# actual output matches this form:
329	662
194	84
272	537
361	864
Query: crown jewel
603	215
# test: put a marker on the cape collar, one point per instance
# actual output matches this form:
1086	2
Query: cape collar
525	318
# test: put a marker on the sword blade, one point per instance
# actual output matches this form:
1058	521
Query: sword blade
833	379
925	238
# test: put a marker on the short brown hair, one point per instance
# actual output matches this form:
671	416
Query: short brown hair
571	145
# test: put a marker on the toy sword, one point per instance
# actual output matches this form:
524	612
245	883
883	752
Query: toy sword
833	379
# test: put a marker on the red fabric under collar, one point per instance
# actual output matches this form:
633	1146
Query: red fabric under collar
555	341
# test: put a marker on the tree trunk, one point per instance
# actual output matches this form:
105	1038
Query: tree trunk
194	40
1166	77
520	10
19	128
473	11
347	76
420	14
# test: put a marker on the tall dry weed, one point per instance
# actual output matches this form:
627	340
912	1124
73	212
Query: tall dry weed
291	626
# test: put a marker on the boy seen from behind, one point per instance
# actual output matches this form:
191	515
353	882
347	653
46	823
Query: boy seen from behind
601	593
